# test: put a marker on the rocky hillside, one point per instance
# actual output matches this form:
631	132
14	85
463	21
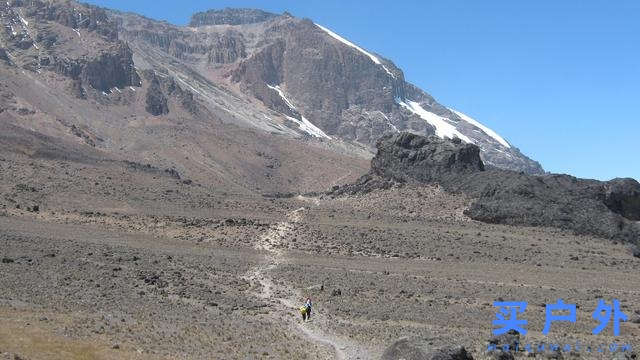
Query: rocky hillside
76	87
608	209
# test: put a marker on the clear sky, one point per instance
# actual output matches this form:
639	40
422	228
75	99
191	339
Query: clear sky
558	79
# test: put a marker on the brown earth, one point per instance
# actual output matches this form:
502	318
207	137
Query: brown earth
111	265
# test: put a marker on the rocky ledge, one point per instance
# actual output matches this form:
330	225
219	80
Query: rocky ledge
609	209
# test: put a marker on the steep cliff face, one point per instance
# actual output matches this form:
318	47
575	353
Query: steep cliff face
74	40
319	75
111	68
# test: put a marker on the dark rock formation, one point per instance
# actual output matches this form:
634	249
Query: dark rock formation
76	89
112	68
4	56
505	345
161	89
510	339
425	159
605	209
455	353
417	349
622	196
156	101
230	16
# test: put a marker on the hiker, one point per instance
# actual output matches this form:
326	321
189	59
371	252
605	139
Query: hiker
303	311
307	305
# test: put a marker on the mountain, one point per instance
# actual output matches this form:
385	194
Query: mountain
235	96
164	194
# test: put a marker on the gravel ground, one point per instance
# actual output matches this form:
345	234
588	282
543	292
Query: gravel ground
212	275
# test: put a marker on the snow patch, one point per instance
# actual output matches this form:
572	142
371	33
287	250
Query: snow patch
281	93
25	22
486	130
304	124
132	88
349	43
189	86
78	32
389	121
443	128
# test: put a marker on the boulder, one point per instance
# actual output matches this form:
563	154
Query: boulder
622	196
410	157
419	349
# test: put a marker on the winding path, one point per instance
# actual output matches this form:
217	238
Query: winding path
286	305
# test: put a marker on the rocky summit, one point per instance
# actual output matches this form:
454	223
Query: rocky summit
230	16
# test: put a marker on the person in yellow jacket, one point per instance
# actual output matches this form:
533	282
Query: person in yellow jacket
303	311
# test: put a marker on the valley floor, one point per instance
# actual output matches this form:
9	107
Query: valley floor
222	276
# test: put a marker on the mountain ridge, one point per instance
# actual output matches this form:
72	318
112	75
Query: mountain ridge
276	75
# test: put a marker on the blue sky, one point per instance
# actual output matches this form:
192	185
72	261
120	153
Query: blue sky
558	79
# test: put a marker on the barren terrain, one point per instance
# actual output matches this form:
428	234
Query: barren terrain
189	273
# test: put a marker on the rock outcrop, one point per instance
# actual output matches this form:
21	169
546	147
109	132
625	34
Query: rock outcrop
55	36
162	88
112	67
605	209
419	349
622	196
156	102
4	56
406	157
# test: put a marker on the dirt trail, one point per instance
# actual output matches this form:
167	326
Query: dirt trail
286	300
